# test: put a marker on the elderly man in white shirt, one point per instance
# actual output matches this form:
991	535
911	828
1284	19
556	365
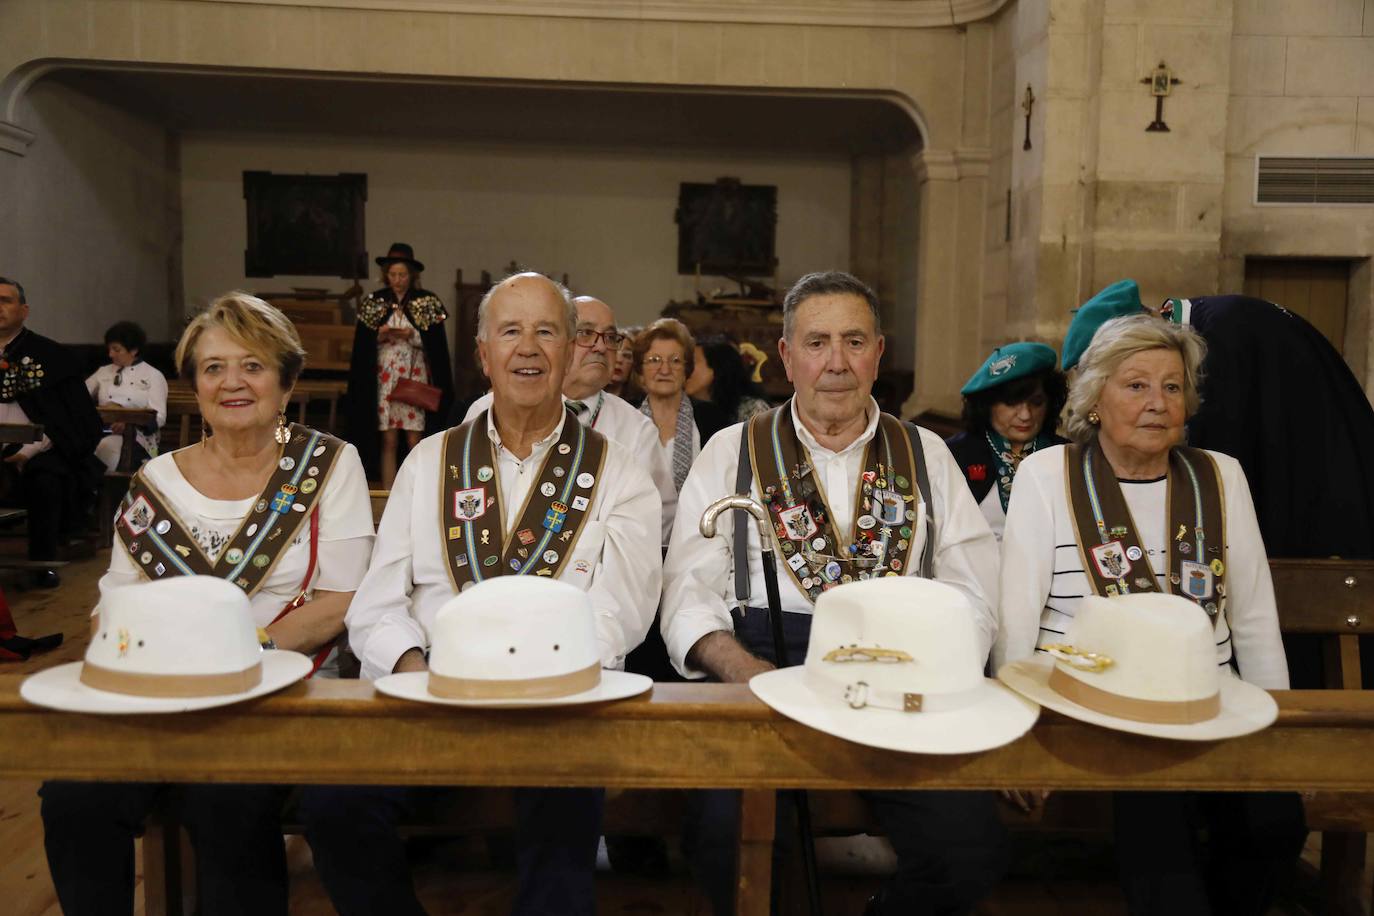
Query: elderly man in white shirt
589	372
504	460
814	454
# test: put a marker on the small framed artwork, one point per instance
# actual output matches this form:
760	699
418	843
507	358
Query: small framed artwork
305	225
727	228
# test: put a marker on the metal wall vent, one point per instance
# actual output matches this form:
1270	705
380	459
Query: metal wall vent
1314	180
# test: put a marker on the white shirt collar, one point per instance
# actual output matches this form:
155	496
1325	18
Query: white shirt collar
537	449
813	446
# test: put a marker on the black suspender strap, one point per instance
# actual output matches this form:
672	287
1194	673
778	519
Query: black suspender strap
744	477
923	483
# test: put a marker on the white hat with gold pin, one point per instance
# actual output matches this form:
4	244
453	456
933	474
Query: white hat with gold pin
1145	664
173	645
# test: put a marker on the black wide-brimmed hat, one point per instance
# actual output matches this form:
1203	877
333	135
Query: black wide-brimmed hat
400	251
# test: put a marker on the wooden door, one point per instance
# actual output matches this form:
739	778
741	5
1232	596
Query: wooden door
1317	289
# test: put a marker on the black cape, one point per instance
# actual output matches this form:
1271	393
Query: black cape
46	381
362	379
977	462
1278	397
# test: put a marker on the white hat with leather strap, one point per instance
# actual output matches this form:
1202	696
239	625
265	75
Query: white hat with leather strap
897	663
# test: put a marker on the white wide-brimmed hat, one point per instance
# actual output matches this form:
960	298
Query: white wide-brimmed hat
1145	664
173	645
515	641
895	663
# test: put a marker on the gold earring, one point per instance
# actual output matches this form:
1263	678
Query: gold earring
1093	418
281	433
203	434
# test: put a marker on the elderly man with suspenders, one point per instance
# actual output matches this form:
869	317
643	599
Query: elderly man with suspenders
852	494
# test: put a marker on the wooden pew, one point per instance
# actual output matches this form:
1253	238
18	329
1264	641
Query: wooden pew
1334	599
679	736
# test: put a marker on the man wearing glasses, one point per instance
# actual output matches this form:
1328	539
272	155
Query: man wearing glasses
589	372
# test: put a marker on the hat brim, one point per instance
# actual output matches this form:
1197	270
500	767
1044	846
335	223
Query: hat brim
1245	708
414	685
415	265
61	688
996	718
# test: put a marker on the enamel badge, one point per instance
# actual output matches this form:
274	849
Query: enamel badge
469	504
1110	559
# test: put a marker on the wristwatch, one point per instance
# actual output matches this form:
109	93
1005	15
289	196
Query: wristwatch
265	640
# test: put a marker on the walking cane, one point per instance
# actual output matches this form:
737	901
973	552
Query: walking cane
770	579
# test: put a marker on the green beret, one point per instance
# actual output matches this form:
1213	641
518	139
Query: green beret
1121	298
1009	363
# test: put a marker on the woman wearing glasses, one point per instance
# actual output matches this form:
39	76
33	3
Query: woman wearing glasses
664	355
128	382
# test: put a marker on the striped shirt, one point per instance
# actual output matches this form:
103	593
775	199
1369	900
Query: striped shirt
1043	579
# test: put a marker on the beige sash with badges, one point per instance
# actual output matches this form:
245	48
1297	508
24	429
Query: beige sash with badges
1109	541
471	518
818	557
160	546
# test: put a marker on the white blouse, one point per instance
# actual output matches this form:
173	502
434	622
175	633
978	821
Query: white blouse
1043	579
139	385
345	531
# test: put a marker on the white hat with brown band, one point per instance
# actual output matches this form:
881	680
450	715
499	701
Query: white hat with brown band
1145	664
172	645
515	641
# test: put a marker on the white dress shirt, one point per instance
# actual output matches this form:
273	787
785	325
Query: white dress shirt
1043	579
616	559
345	533
699	574
615	419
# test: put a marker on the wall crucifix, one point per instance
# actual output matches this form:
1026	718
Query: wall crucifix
1027	104
1161	82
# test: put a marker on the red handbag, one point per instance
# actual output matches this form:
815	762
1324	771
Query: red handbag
416	394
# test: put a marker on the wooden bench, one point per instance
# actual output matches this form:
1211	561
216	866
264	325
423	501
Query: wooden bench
679	736
1331	598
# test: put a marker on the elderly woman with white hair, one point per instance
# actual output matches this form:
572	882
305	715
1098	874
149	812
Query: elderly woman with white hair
1127	508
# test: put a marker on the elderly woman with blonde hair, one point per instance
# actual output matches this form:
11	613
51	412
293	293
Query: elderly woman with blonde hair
1127	508
280	510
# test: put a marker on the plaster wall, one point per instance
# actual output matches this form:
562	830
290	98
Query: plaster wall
605	217
1301	83
89	223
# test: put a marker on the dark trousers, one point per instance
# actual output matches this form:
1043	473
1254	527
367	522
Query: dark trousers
362	860
1168	866
951	846
52	498
89	830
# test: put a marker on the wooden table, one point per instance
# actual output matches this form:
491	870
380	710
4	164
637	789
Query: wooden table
680	736
132	418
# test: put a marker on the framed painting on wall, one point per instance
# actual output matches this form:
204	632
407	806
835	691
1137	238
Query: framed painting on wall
305	225
727	228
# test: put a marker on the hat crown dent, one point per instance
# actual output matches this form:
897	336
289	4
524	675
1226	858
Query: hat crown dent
514	628
178	626
1161	647
932	622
